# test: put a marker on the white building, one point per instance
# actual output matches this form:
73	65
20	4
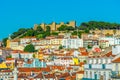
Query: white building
20	54
116	49
111	40
116	68
99	67
64	61
6	75
72	42
27	40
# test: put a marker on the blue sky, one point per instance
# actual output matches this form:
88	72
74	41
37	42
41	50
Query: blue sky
15	14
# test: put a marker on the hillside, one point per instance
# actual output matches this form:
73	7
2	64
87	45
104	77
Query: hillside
99	25
83	28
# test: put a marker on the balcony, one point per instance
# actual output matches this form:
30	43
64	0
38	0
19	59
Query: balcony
115	74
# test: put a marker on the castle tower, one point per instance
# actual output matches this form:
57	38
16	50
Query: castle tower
53	26
72	23
35	26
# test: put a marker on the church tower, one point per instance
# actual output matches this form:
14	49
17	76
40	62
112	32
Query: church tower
8	41
15	71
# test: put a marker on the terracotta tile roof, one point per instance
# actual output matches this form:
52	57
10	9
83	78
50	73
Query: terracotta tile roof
82	63
10	59
64	75
73	37
49	76
80	72
59	54
33	69
15	40
23	75
6	71
117	60
84	54
18	51
82	49
39	76
58	67
69	68
109	54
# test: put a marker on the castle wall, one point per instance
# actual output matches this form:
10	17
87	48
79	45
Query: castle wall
54	26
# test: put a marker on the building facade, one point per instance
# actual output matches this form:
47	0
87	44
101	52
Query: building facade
99	67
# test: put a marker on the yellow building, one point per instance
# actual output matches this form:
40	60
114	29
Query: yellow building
13	44
3	65
55	26
39	55
11	66
76	61
10	63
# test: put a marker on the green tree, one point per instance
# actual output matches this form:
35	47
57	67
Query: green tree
29	48
48	28
62	28
98	25
85	61
89	47
39	29
30	32
86	30
10	56
54	33
33	55
39	36
60	47
74	33
4	42
69	28
18	33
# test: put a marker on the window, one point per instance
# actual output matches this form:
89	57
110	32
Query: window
103	66
90	66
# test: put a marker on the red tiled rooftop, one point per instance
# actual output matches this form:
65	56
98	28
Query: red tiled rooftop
6	71
81	72
39	75
116	60
49	76
84	54
33	69
10	59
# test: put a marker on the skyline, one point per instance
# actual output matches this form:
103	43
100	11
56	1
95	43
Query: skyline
24	14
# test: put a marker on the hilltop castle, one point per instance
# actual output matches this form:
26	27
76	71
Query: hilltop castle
54	26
